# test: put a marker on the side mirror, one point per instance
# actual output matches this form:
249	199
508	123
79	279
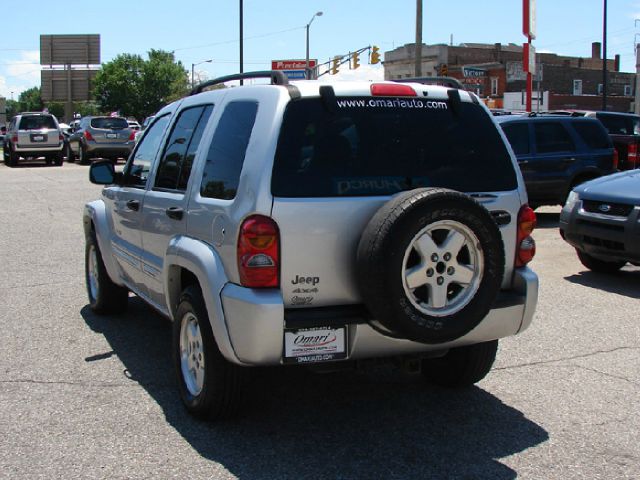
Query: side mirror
102	173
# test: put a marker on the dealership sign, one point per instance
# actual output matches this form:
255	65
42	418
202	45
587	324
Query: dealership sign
473	72
293	69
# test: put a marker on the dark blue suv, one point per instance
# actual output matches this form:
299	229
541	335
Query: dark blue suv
556	153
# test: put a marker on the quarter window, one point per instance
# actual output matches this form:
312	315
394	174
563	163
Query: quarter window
228	149
137	171
175	165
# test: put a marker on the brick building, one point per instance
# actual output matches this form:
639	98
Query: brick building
493	70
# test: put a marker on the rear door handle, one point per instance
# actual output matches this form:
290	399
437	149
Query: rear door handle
133	205
174	212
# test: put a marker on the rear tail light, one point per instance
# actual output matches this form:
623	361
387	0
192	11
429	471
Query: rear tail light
616	158
259	252
392	90
132	136
61	138
88	136
526	246
632	156
14	139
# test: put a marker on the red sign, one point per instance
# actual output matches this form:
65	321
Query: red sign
292	64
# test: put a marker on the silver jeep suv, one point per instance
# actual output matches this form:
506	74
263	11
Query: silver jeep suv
312	223
33	134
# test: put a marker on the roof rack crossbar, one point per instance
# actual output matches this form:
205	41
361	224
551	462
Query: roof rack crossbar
277	78
446	81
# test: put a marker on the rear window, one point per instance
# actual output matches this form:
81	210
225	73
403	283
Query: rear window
37	122
616	124
109	123
380	146
592	134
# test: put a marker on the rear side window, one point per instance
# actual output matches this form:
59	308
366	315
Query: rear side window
518	136
552	137
177	159
592	134
228	148
109	123
37	122
380	146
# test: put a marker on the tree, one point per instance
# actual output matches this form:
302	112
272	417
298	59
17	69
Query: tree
137	87
30	100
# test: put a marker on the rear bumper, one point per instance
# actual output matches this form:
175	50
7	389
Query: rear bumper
256	321
37	151
607	237
110	151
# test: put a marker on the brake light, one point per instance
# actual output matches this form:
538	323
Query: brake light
392	90
616	158
132	136
259	252
88	136
61	138
632	156
14	139
526	246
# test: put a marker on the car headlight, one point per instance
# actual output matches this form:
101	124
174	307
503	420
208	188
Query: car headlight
572	199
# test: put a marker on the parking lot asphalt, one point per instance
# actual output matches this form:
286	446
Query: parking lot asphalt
83	396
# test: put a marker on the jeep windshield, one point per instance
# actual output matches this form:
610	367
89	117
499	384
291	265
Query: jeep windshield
380	146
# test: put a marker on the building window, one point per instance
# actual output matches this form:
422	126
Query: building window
577	87
600	88
494	85
627	90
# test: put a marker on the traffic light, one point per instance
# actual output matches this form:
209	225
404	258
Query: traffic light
375	56
354	58
444	70
335	65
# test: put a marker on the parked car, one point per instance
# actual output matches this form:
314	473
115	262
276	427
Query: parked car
309	223
624	130
33	134
100	137
133	125
601	219
556	153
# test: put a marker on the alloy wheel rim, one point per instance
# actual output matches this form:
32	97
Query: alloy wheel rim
442	268
192	361
94	283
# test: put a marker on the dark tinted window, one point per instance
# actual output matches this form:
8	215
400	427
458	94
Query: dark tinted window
552	137
380	146
140	163
617	124
518	136
228	148
37	122
592	134
113	123
175	166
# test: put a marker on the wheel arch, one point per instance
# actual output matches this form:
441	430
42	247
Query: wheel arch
189	261
95	221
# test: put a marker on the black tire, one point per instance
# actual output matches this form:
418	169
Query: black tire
58	159
12	160
597	265
104	295
387	255
462	366
220	393
83	156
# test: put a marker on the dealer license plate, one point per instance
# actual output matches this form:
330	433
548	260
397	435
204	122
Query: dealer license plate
318	344
37	138
112	135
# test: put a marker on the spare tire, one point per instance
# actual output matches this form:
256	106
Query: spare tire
430	264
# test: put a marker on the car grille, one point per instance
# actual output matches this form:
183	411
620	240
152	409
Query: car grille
615	209
601	242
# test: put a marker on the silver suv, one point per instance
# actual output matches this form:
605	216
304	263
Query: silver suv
100	137
33	134
312	223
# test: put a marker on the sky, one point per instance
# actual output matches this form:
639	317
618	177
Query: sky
200	30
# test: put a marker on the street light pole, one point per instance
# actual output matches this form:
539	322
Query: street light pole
307	69
193	66
604	57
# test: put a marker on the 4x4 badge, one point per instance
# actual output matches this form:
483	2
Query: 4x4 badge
604	208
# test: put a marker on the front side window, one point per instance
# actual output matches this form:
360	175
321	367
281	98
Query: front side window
177	159
137	170
228	148
552	137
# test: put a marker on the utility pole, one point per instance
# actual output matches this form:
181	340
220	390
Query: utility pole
604	57
418	69
241	45
636	107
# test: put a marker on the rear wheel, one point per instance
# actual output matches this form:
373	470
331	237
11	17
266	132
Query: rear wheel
597	265
462	366
83	156
13	158
69	154
104	295
209	385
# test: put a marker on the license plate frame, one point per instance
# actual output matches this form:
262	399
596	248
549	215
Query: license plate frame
315	344
38	137
112	136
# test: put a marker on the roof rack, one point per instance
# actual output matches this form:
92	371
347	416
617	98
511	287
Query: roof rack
443	81
276	76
